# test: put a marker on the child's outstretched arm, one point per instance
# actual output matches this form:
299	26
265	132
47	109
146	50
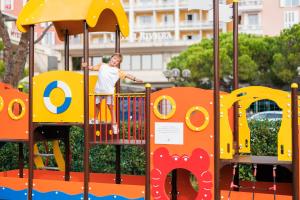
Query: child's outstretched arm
133	78
93	68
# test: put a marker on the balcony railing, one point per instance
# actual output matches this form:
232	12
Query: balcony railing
184	3
195	24
250	3
251	29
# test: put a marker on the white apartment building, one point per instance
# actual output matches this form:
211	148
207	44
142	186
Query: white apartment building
159	30
268	17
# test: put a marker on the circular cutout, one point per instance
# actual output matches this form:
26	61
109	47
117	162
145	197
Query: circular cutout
68	97
164	107
189	122
11	109
1	103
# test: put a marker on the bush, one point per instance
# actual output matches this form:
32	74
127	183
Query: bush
263	143
102	157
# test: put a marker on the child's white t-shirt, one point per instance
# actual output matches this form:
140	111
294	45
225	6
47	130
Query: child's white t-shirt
107	78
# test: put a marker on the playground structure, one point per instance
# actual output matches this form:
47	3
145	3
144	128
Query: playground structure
175	126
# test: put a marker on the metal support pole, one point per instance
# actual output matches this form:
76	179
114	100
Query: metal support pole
67	156
174	184
118	90
67	48
216	103
235	86
295	139
21	160
30	125
147	142
86	111
118	164
21	148
118	50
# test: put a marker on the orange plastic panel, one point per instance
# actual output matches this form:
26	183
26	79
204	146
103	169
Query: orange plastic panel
202	141
13	129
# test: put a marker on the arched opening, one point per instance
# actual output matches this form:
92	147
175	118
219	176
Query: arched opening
181	183
264	121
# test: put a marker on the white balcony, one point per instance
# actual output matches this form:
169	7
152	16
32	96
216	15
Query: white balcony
195	25
251	29
165	3
143	6
144	27
184	3
165	26
250	5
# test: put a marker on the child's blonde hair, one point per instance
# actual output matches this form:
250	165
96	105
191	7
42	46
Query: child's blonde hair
118	55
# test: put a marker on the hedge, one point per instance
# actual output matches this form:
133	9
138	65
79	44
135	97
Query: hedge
102	157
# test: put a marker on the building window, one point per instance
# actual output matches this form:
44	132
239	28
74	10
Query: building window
290	18
125	65
136	62
168	19
192	17
75	39
52	63
7	4
96	60
157	61
189	37
189	17
253	19
145	20
289	3
146	62
76	63
49	38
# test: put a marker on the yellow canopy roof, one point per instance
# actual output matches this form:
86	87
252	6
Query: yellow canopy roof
100	15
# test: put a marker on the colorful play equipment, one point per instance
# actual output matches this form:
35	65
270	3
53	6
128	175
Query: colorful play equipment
177	127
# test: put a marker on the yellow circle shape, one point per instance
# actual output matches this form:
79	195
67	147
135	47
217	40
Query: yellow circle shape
1	103
10	109
188	118
57	97
155	107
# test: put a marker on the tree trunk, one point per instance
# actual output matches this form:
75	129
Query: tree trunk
14	56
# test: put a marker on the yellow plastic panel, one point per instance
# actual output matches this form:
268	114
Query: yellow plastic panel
38	160
55	108
101	15
246	96
59	158
108	13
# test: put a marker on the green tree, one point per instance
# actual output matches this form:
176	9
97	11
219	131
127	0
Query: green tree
199	59
15	55
287	59
263	60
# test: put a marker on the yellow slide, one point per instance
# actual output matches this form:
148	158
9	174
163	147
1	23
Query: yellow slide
38	160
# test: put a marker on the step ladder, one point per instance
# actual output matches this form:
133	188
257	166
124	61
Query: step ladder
38	157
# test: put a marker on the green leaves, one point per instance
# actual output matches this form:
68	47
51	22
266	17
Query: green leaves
262	60
263	143
102	157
